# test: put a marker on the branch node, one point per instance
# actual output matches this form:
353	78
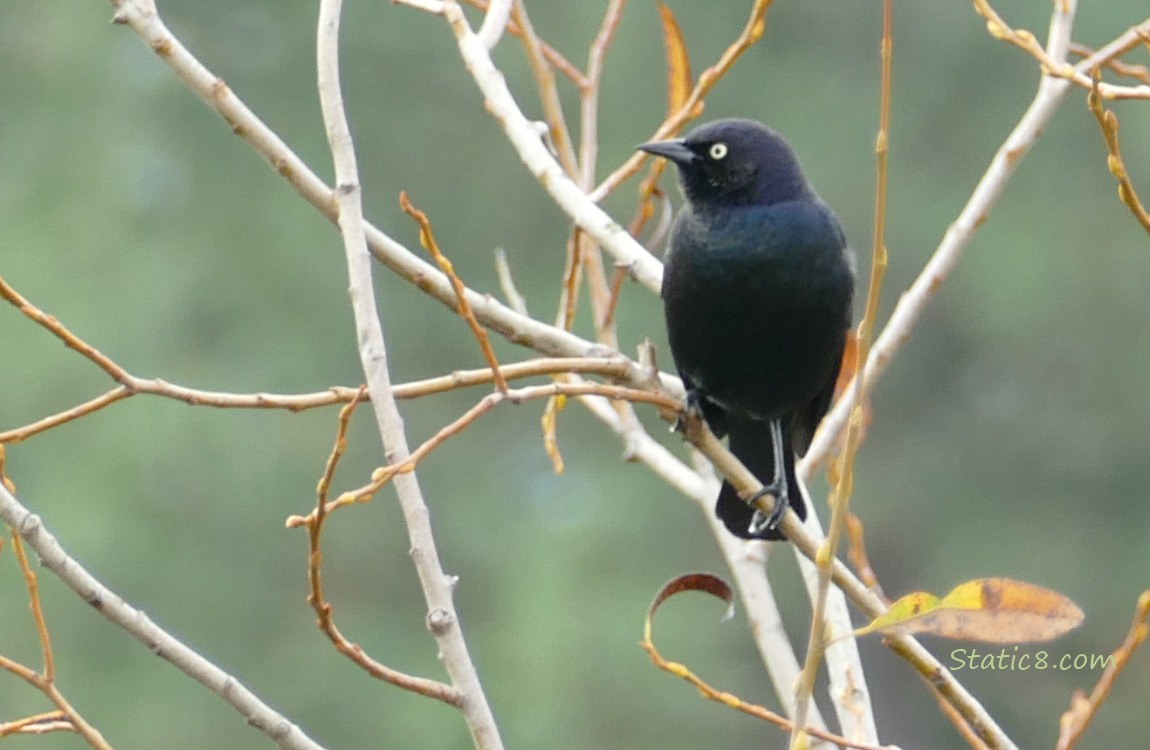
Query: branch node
439	621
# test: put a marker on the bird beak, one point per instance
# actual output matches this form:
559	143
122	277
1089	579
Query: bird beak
676	150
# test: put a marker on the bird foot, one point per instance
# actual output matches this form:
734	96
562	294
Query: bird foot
763	522
692	413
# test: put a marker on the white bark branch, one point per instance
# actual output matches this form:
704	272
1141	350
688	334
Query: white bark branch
442	618
274	725
495	22
521	132
914	301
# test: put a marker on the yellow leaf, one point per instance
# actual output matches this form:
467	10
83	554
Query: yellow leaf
678	62
993	610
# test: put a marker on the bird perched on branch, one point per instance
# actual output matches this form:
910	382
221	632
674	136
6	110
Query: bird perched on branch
757	293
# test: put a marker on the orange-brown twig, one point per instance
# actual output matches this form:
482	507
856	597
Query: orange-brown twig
548	91
679	87
572	273
381	476
857	555
1026	41
18	434
692	107
961	723
648	193
1139	73
331	396
384	474
323	609
4	480
427	239
590	255
1021	38
70	340
66	717
617	279
550	424
33	586
1075	720
730	700
840	495
52	721
1108	122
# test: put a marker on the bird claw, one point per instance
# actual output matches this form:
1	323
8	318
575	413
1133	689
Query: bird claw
763	522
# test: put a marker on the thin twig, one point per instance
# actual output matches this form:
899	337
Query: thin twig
44	723
132	385
70	340
427	239
18	434
751	709
44	681
857	554
589	100
384	474
840	495
325	618
1082	711
33	586
548	91
1056	65
569	287
1108	122
617	280
1124	69
507	283
590	255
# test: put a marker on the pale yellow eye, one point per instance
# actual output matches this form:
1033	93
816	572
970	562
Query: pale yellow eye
718	150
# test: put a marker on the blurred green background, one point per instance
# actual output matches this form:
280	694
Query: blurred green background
1009	437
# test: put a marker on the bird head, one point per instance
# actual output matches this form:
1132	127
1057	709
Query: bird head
734	162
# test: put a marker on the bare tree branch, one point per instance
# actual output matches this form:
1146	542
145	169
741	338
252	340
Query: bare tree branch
914	301
272	724
442	618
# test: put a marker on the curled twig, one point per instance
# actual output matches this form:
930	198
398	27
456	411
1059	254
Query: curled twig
427	239
1108	122
325	618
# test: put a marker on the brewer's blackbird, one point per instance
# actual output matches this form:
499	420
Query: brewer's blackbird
757	293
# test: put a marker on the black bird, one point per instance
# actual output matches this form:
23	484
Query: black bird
757	293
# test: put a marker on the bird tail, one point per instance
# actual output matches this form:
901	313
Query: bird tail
750	442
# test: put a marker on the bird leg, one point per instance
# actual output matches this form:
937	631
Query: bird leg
777	487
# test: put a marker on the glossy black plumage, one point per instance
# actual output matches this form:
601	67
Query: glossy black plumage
757	294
